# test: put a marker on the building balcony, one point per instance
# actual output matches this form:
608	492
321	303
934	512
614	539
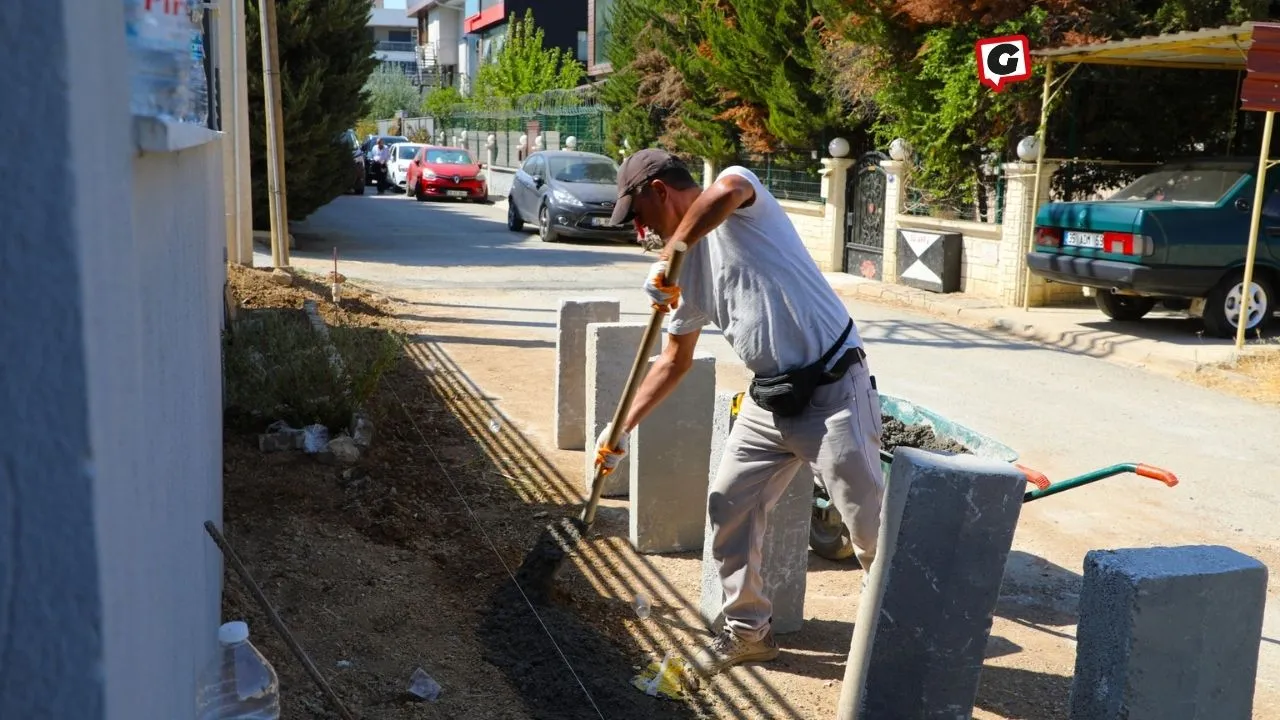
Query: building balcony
389	46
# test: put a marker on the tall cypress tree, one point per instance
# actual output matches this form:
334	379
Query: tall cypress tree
326	56
764	57
658	90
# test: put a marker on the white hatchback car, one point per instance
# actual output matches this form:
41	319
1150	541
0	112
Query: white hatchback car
398	167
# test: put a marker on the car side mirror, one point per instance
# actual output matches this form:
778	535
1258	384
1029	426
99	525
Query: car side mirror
538	181
1242	205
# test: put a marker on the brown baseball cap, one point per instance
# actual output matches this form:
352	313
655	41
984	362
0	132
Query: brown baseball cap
637	170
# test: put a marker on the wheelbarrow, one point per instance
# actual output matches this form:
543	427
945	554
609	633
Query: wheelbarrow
829	538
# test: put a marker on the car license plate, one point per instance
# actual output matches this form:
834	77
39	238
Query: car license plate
1074	238
600	222
457	193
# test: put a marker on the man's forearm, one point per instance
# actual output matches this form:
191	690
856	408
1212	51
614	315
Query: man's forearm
663	377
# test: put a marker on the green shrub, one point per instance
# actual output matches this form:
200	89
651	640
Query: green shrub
277	367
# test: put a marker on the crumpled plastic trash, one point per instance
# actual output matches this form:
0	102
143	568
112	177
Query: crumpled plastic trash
666	678
315	438
424	686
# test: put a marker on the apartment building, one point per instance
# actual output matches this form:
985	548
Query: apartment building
457	36
598	64
396	37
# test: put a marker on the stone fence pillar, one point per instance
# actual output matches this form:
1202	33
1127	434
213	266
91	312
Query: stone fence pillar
895	202
835	183
709	171
1019	218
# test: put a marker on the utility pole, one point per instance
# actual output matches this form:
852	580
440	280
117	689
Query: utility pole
234	110
275	136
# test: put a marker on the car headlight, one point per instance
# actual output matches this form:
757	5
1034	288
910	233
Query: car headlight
480	175
429	174
565	198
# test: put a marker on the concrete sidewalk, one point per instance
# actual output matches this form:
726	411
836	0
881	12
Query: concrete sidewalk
1164	341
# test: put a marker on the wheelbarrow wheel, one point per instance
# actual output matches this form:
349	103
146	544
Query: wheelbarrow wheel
828	537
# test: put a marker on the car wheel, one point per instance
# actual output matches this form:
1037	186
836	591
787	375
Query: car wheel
358	189
1125	308
418	193
545	231
515	223
1222	308
828	537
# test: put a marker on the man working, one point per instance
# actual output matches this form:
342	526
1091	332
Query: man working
813	400
380	155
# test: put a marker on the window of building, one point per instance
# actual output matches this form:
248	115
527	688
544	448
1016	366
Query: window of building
474	7
603	11
491	41
582	46
405	36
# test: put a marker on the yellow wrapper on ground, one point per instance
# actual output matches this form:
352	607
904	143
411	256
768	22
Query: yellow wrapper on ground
669	685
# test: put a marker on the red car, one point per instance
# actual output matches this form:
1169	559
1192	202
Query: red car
446	172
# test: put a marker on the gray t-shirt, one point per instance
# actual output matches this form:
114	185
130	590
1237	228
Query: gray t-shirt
753	278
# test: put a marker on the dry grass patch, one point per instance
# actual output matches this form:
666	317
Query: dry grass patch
1255	376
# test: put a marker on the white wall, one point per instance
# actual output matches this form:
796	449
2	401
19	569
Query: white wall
444	28
109	589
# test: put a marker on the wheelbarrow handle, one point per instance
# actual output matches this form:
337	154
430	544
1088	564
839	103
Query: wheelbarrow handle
1141	469
1045	488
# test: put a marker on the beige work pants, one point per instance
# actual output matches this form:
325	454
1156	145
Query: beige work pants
838	435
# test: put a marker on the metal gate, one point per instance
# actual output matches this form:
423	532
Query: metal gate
864	194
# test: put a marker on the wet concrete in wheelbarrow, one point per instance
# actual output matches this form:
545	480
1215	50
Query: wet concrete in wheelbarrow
898	434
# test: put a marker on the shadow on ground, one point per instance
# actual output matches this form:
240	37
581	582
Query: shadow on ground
1023	694
574	657
1039	594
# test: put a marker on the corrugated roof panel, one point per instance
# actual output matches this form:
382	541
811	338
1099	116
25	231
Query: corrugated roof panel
1222	48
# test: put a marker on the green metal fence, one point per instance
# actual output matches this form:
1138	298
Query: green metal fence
787	177
568	113
984	203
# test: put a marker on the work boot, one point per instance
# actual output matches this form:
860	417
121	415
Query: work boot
727	650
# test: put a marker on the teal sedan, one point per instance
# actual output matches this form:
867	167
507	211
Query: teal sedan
1176	236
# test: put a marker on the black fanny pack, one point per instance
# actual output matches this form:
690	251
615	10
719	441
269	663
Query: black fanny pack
788	394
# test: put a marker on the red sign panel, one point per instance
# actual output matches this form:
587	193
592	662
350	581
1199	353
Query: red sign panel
1261	89
491	15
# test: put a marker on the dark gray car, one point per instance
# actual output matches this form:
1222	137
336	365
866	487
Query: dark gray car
568	194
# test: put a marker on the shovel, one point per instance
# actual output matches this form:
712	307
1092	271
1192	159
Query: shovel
538	571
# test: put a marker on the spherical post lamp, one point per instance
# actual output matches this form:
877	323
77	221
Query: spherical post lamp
899	149
1029	148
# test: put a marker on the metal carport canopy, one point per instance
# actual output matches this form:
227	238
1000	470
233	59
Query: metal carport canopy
1220	48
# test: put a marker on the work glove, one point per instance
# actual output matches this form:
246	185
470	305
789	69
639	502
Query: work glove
665	297
607	459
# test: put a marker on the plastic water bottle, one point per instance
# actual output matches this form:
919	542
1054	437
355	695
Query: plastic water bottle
199	84
158	33
240	684
642	606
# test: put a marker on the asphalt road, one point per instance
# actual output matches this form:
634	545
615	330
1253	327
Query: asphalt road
1064	413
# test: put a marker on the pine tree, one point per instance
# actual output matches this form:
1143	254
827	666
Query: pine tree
326	56
764	57
524	66
658	92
